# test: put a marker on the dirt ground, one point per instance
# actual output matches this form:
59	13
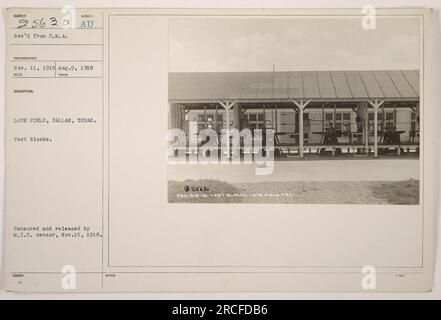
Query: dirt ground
306	192
320	170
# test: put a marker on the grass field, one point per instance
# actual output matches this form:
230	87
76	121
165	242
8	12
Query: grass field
309	192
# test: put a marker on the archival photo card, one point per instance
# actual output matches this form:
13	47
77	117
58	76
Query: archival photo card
294	110
219	150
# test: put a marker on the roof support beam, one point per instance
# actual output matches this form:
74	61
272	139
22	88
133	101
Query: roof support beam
301	104
376	104
227	105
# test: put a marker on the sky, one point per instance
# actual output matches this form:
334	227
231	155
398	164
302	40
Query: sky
292	44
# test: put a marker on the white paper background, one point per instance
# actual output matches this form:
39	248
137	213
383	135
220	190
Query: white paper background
435	4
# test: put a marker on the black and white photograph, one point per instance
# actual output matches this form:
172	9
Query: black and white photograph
294	110
228	152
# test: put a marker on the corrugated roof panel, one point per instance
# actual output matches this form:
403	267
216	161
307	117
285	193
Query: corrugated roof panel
265	84
265	90
185	87
253	81
280	85
266	78
401	83
325	84
187	95
371	85
216	87
280	93
356	84
196	87
249	87
413	78
341	86
223	88
175	84
228	86
248	95
386	84
310	84
265	94
281	80
295	85
207	94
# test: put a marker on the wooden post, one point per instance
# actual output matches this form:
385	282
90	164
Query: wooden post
334	123
395	117
272	118
301	131
376	105
301	105
384	119
216	119
172	116
375	132
227	119
237	115
334	118
227	105
183	113
366	128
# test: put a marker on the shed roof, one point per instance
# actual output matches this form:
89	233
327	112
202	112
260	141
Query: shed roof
283	86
